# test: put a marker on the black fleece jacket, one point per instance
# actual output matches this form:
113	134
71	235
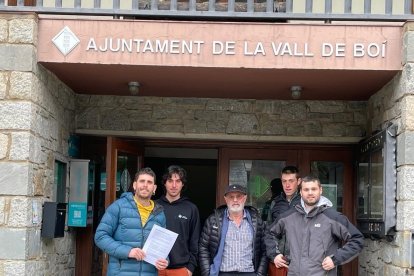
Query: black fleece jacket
182	218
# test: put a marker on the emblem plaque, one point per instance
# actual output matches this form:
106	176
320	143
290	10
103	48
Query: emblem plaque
65	41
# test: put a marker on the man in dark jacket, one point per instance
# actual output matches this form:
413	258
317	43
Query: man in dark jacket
319	237
231	242
275	189
182	218
290	195
287	199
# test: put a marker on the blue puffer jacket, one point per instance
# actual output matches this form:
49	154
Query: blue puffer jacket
120	230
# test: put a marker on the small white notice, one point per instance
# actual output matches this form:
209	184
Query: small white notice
158	244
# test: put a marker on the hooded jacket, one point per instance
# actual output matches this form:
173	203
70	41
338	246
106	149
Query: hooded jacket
120	230
211	236
313	236
182	218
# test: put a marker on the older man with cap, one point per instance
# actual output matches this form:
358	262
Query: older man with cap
231	242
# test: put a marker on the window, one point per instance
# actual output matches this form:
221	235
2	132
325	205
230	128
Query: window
26	3
256	175
331	175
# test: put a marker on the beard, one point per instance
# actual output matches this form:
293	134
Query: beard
236	209
144	194
311	203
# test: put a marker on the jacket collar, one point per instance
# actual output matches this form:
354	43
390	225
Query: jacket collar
296	194
321	206
130	197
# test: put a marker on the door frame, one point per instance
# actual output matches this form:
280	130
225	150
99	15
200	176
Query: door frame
227	154
297	155
115	145
90	148
109	147
339	155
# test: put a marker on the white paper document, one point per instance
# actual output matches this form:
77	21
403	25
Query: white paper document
158	244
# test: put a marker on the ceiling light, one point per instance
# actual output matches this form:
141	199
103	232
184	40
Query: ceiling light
133	87
296	91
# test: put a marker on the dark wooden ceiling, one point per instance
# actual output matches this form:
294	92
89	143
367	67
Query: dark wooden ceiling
238	83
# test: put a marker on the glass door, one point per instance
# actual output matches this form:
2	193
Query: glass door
256	175
254	169
113	163
334	168
123	160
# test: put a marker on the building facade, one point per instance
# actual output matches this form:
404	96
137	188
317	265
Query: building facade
216	93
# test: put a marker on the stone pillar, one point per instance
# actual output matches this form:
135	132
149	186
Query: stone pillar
395	103
17	49
405	156
34	128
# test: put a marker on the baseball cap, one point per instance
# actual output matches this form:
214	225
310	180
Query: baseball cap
235	188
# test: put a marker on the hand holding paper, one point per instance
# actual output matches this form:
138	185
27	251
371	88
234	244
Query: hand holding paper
158	245
137	253
161	264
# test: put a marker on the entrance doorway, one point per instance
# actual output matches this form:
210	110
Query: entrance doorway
201	168
115	162
211	166
256	167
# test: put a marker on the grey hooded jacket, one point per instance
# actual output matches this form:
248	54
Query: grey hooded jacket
313	236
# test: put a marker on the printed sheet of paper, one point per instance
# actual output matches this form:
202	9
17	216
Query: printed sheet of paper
159	244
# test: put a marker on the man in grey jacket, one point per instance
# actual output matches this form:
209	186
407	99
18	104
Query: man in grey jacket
319	237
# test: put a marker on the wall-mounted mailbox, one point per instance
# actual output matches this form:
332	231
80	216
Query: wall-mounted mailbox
377	183
53	220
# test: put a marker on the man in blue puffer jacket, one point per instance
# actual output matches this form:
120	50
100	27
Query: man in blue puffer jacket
125	227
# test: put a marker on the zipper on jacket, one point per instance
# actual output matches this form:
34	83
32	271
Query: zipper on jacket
254	242
151	216
216	214
324	256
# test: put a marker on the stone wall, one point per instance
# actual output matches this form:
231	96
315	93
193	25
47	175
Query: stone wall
221	118
37	113
395	104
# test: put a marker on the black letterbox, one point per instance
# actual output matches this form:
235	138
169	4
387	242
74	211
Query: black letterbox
53	220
